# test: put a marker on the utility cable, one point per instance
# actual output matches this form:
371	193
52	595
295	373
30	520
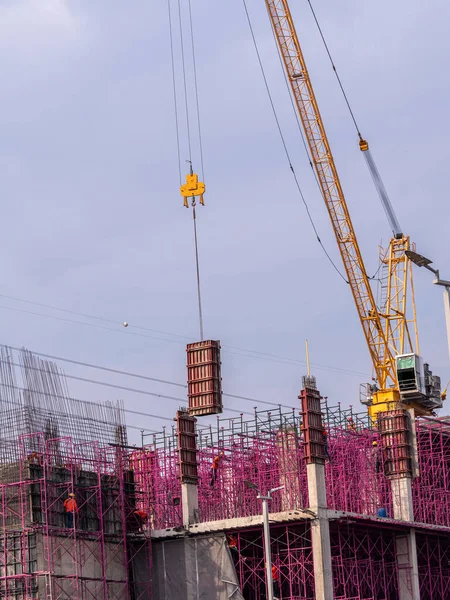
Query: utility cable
283	141
135	390
124	387
249	353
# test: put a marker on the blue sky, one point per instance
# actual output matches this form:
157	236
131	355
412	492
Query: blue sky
93	221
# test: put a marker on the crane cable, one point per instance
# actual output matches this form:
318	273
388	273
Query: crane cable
174	87
391	214
188	127
283	141
352	114
364	146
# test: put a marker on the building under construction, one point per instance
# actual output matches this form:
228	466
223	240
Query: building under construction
363	512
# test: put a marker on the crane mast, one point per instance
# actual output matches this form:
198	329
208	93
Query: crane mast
324	165
396	278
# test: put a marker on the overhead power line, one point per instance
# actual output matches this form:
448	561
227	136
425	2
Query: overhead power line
129	389
249	353
144	377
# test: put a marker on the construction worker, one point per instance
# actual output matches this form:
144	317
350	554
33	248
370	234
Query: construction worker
34	458
351	426
325	443
214	466
276	582
233	545
376	454
141	518
71	508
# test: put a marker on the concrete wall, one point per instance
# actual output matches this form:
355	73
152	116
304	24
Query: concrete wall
199	567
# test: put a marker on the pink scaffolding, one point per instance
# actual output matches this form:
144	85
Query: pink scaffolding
103	552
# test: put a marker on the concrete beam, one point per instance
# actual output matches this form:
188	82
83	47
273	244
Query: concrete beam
237	523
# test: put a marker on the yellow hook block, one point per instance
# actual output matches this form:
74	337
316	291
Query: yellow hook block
193	187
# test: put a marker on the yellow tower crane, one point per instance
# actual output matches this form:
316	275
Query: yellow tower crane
401	378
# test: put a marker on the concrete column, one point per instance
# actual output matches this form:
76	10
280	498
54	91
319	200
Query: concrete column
406	543
408	571
402	499
316	486
320	532
189	503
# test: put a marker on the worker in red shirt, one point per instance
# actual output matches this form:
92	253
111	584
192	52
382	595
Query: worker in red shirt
141	518
70	507
214	467
233	545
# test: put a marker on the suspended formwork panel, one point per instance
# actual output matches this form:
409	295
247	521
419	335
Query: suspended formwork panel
204	378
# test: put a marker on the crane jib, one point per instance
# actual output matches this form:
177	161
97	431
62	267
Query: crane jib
322	159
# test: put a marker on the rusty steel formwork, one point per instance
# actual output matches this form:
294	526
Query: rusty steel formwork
204	378
395	429
187	447
314	434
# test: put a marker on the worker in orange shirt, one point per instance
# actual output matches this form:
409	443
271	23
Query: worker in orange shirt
351	425
276	582
70	507
34	458
214	467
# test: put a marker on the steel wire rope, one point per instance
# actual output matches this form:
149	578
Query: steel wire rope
347	101
280	131
197	103
188	129
256	354
177	127
186	101
352	114
197	268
